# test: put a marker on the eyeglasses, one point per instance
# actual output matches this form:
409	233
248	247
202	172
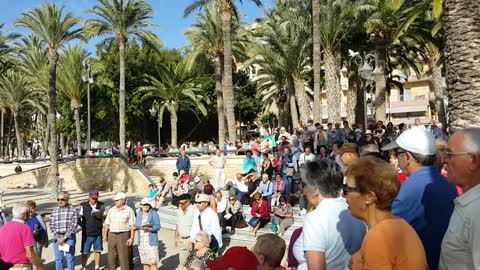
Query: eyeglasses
61	200
346	189
231	199
450	155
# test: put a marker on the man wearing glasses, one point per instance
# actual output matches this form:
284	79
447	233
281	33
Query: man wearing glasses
205	219
63	223
426	199
461	244
184	226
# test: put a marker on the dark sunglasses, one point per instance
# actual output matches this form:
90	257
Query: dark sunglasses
346	189
61	200
232	199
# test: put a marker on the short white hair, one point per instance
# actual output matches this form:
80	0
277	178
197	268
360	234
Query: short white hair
471	142
20	210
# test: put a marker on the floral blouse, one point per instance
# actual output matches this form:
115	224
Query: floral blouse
208	256
283	210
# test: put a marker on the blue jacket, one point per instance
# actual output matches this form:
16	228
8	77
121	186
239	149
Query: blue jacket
248	164
426	201
183	164
154	220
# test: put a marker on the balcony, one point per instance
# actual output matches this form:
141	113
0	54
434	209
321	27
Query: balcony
414	104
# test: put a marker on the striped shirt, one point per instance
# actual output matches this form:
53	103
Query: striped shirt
63	221
120	219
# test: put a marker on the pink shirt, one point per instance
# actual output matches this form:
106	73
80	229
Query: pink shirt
15	237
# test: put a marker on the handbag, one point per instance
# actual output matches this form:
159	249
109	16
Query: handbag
274	227
290	171
254	221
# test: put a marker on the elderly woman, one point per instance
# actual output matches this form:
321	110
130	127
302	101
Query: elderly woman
260	214
39	229
391	243
233	214
330	234
201	252
283	215
148	225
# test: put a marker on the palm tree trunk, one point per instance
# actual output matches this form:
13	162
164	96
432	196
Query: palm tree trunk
62	143
462	32
317	88
220	108
439	93
351	99
52	120
303	102
2	132
292	102
121	96
46	136
227	71
78	130
18	135
380	80
332	84
173	127
9	135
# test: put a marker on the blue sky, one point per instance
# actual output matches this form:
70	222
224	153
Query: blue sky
168	17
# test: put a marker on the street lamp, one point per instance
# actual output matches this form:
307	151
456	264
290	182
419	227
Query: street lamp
153	111
88	80
365	69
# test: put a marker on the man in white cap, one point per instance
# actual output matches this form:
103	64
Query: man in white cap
461	243
205	219
119	230
426	199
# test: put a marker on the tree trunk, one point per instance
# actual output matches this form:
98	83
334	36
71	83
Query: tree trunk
220	108
380	80
317	87
303	102
332	84
439	93
462	44
62	143
52	120
46	137
121	96
173	127
76	111
292	102
18	135
351	99
9	136
2	132
227	87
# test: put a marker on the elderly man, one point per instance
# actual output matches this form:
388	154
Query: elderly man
163	191
17	242
218	161
266	188
461	243
63	224
119	231
183	163
349	153
308	156
184	226
426	198
91	221
205	219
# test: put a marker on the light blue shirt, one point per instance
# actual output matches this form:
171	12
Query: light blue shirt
248	164
266	189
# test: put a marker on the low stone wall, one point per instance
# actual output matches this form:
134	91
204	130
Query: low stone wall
106	174
166	166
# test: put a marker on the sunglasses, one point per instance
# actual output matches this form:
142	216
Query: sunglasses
346	189
231	199
61	200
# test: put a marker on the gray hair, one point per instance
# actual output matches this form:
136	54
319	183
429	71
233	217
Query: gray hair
19	210
65	194
324	175
471	142
204	238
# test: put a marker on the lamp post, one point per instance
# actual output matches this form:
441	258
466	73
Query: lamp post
88	80
153	111
365	65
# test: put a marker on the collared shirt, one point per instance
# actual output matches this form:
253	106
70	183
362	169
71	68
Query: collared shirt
183	164
15	237
461	243
185	220
425	201
120	219
221	205
218	161
240	185
210	224
63	221
266	188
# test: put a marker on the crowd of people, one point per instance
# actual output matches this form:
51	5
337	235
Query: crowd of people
383	199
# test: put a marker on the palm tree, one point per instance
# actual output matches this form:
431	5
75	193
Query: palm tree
50	24
227	9
175	93
317	63
70	83
16	94
461	51
122	19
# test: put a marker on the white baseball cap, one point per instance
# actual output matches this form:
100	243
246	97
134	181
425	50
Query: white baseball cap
368	131
120	196
415	140
146	201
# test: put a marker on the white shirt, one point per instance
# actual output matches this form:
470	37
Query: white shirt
221	205
210	224
304	158
240	185
330	229
218	162
461	243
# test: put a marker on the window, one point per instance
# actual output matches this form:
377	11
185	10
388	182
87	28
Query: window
405	94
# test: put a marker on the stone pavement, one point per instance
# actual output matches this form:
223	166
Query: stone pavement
45	202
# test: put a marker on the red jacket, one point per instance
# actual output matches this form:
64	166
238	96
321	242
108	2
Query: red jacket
264	210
